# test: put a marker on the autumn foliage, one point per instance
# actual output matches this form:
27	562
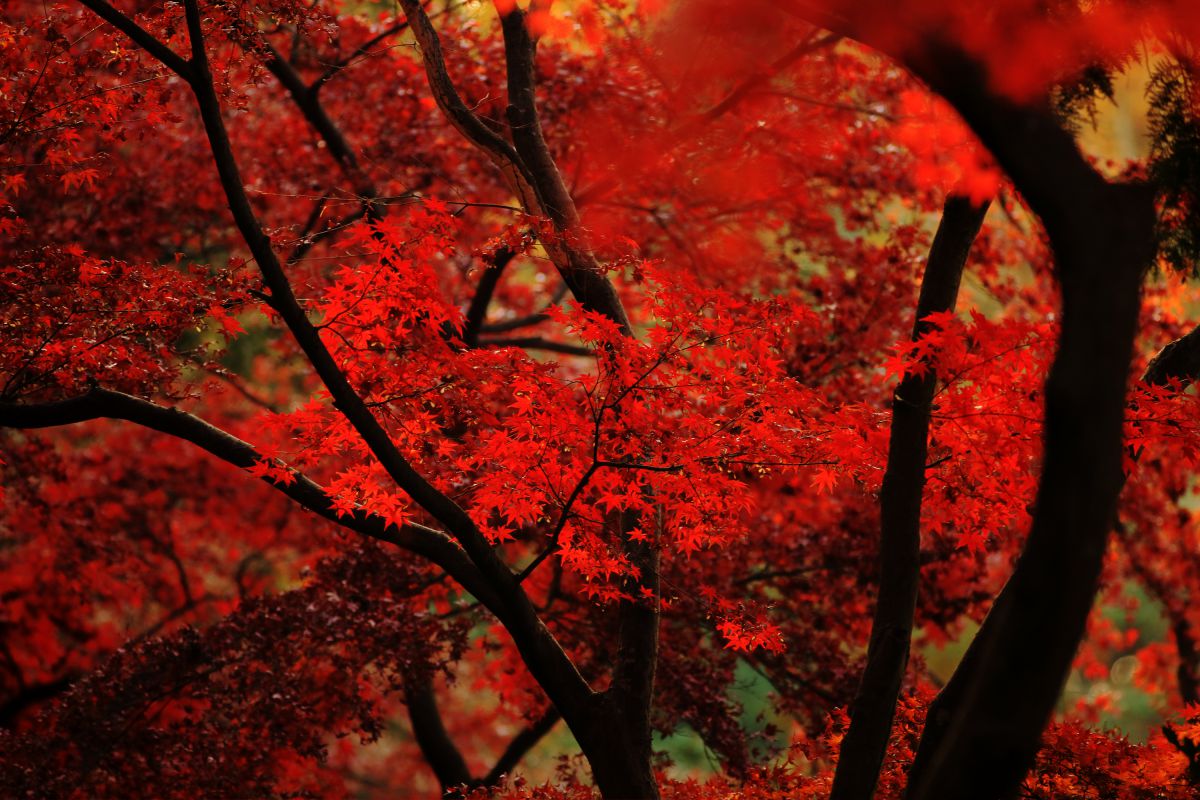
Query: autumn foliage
514	400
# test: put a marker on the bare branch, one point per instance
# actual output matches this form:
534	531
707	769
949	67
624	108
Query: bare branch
538	343
477	310
106	404
142	38
468	124
521	744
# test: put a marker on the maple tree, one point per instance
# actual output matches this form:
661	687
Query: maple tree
391	392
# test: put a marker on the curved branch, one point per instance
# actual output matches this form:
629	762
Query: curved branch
982	736
547	661
106	404
1179	360
464	119
528	166
575	262
284	301
528	321
477	310
442	755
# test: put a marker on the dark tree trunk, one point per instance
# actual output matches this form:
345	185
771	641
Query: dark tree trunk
617	746
865	744
984	730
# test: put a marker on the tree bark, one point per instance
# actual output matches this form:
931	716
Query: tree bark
984	730
442	755
863	748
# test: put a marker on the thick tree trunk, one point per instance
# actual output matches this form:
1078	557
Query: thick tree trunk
617	746
983	733
622	771
865	744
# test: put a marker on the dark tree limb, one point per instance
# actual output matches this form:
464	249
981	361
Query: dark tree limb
505	326
527	164
528	321
547	661
1179	360
519	746
444	756
484	290
307	100
32	695
539	343
1189	663
142	38
578	266
460	116
1181	630
435	546
865	744
614	730
283	300
310	237
984	731
107	404
440	752
621	762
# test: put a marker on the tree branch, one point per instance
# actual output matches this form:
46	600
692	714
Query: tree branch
1179	360
440	752
477	310
359	52
539	343
578	266
142	38
314	111
521	744
468	124
284	301
443	754
537	318
547	661
106	404
32	695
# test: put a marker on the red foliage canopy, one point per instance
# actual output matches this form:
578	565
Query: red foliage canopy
381	386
